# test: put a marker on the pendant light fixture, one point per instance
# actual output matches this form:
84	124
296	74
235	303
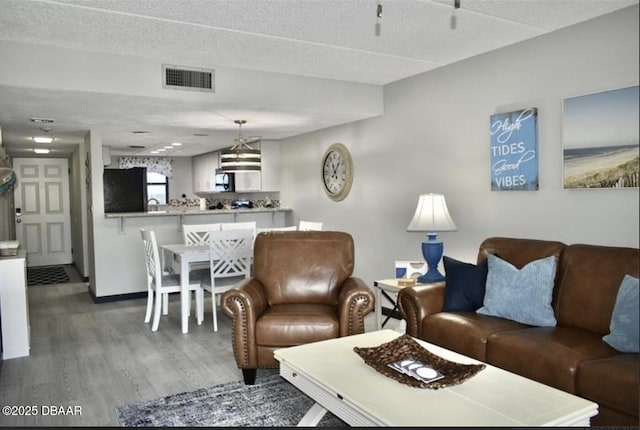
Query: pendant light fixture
241	157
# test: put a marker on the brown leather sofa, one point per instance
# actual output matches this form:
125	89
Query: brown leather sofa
302	291
570	356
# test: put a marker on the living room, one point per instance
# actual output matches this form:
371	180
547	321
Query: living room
434	137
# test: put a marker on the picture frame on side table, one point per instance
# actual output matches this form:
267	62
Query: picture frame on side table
600	140
410	269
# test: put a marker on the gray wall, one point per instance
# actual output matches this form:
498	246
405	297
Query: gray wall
7	226
78	202
434	137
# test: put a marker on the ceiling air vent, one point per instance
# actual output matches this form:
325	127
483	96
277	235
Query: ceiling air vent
186	78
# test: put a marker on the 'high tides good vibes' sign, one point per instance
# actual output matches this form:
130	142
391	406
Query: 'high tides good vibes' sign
514	150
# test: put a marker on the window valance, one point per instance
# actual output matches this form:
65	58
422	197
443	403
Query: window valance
164	166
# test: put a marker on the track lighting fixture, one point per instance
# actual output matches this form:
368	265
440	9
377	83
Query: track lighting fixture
378	26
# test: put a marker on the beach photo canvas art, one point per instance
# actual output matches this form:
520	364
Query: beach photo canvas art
600	139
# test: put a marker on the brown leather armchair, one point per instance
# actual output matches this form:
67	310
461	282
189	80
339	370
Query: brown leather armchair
301	292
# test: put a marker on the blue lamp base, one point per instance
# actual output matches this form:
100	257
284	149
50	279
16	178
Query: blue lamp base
432	249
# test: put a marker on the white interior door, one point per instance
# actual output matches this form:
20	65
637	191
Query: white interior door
43	219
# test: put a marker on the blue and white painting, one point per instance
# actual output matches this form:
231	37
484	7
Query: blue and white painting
514	150
600	137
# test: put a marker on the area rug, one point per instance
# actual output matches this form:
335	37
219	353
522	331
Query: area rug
46	275
271	402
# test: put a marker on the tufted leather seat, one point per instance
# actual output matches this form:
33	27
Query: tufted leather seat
302	291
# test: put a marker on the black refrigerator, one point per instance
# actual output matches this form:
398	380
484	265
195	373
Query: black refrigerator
125	190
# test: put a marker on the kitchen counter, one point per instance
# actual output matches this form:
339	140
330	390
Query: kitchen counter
14	306
118	246
182	212
192	211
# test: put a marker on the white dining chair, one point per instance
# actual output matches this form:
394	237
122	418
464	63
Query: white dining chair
230	257
289	228
159	285
249	225
309	225
198	234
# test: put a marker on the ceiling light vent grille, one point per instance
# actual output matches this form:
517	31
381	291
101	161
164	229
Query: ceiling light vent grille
186	78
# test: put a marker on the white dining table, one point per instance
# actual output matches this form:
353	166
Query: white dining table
186	254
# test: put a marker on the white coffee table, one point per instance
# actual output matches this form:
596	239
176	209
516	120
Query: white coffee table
333	375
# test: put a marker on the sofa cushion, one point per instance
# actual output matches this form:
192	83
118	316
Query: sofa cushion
590	277
465	285
295	324
611	381
623	329
550	355
520	295
464	332
519	252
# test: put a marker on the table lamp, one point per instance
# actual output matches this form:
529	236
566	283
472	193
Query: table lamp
432	216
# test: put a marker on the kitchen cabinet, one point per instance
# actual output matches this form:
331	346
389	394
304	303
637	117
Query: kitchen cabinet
248	181
270	177
14	307
204	167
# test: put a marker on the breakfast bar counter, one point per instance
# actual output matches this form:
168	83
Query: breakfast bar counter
273	217
119	254
193	211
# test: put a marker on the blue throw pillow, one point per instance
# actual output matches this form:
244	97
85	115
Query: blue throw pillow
623	329
465	283
521	295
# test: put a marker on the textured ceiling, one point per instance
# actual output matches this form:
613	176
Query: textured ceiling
330	39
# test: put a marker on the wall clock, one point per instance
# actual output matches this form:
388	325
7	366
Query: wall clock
337	171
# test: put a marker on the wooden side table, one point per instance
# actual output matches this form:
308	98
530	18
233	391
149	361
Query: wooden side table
381	289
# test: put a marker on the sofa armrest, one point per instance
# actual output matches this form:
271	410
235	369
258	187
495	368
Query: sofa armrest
355	301
244	305
417	302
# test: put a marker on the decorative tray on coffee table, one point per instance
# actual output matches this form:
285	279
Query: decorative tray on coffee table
438	372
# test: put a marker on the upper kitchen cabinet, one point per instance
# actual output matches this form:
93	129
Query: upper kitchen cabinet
270	151
268	179
204	168
248	181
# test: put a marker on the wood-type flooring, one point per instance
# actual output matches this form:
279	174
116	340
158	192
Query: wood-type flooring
88	358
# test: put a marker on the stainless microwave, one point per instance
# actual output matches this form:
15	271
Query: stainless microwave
224	181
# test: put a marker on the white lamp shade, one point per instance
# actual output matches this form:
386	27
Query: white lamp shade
432	215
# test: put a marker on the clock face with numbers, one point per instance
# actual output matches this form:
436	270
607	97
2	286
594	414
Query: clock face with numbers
337	171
